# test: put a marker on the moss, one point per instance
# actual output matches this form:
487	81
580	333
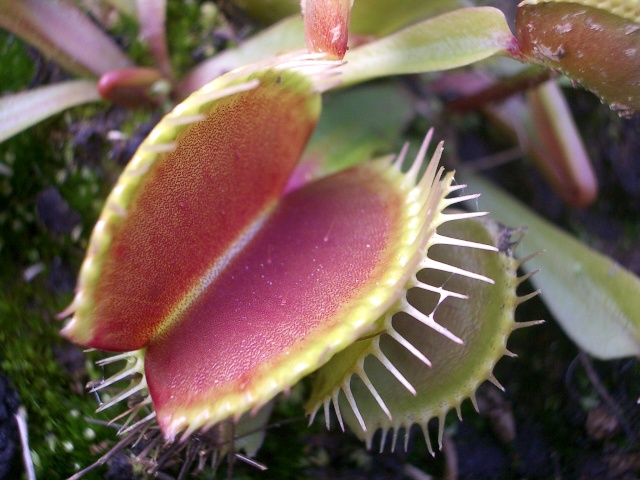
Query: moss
125	32
16	64
61	439
191	35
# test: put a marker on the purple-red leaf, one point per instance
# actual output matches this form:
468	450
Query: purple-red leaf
187	201
63	33
230	289
324	248
131	87
594	47
326	24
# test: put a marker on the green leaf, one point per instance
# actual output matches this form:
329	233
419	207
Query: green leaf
351	129
370	17
382	17
283	36
452	40
595	300
427	374
270	11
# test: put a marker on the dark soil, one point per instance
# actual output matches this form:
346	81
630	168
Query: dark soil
10	449
575	418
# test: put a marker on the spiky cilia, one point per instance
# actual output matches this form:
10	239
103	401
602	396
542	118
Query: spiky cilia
223	288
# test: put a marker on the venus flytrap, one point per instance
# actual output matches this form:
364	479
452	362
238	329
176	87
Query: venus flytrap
467	36
222	271
362	382
223	285
594	299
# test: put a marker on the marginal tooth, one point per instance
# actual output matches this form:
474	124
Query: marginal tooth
70	310
462	198
132	358
453	188
313	414
445	267
327	413
529	296
524	260
131	412
429	189
474	401
509	353
184	120
257	465
442	292
430	322
118	417
526	276
414	171
519	325
399	159
312	70
115	209
394	371
452	217
406	438
431	177
147	419
201	419
441	419
122	396
442	240
405	343
383	439
158	147
336	407
369	440
365	379
113	379
352	401
458	412
206	97
495	381
313	63
427	437
139	171
394	439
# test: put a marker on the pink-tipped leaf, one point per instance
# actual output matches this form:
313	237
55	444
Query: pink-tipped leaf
326	24
63	33
305	287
